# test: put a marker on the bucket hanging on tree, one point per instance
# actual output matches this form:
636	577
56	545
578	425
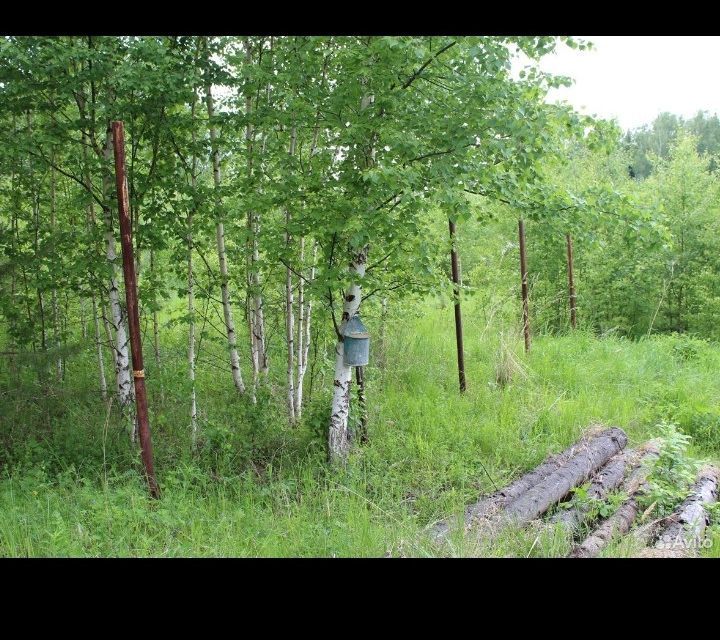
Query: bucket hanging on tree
356	351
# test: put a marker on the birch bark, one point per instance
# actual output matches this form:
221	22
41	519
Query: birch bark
222	257
338	438
117	321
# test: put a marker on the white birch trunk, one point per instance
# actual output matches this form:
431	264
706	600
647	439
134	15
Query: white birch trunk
259	314
290	333
338	437
191	336
191	288
222	258
305	307
117	322
304	315
300	329
289	307
256	315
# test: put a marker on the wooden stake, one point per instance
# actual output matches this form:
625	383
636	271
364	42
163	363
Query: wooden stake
458	314
524	277
571	281
132	306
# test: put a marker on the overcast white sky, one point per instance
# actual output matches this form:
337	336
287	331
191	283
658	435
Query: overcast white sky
634	78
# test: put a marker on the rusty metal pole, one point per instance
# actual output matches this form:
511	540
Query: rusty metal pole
571	281
458	314
118	132
524	277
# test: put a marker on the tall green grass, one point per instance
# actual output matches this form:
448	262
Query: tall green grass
71	483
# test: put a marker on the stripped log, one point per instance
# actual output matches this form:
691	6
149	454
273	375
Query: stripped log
607	479
538	499
619	523
490	505
687	524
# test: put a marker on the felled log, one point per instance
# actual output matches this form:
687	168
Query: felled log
620	522
607	478
552	489
493	504
684	532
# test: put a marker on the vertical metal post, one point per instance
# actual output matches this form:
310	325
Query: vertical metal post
360	379
571	281
524	277
458	314
132	306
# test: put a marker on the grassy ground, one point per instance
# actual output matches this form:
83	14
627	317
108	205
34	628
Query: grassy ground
70	485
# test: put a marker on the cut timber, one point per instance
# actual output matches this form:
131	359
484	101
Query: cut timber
683	535
494	503
608	478
536	501
619	523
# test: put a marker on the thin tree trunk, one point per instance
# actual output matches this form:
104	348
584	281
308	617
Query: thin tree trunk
191	285
303	349
571	281
83	319
54	299
222	258
524	282
290	331
191	332
35	201
458	313
257	316
300	330
98	346
289	306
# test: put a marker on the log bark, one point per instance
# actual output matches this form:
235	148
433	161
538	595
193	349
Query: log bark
492	505
534	502
688	523
607	479
619	523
